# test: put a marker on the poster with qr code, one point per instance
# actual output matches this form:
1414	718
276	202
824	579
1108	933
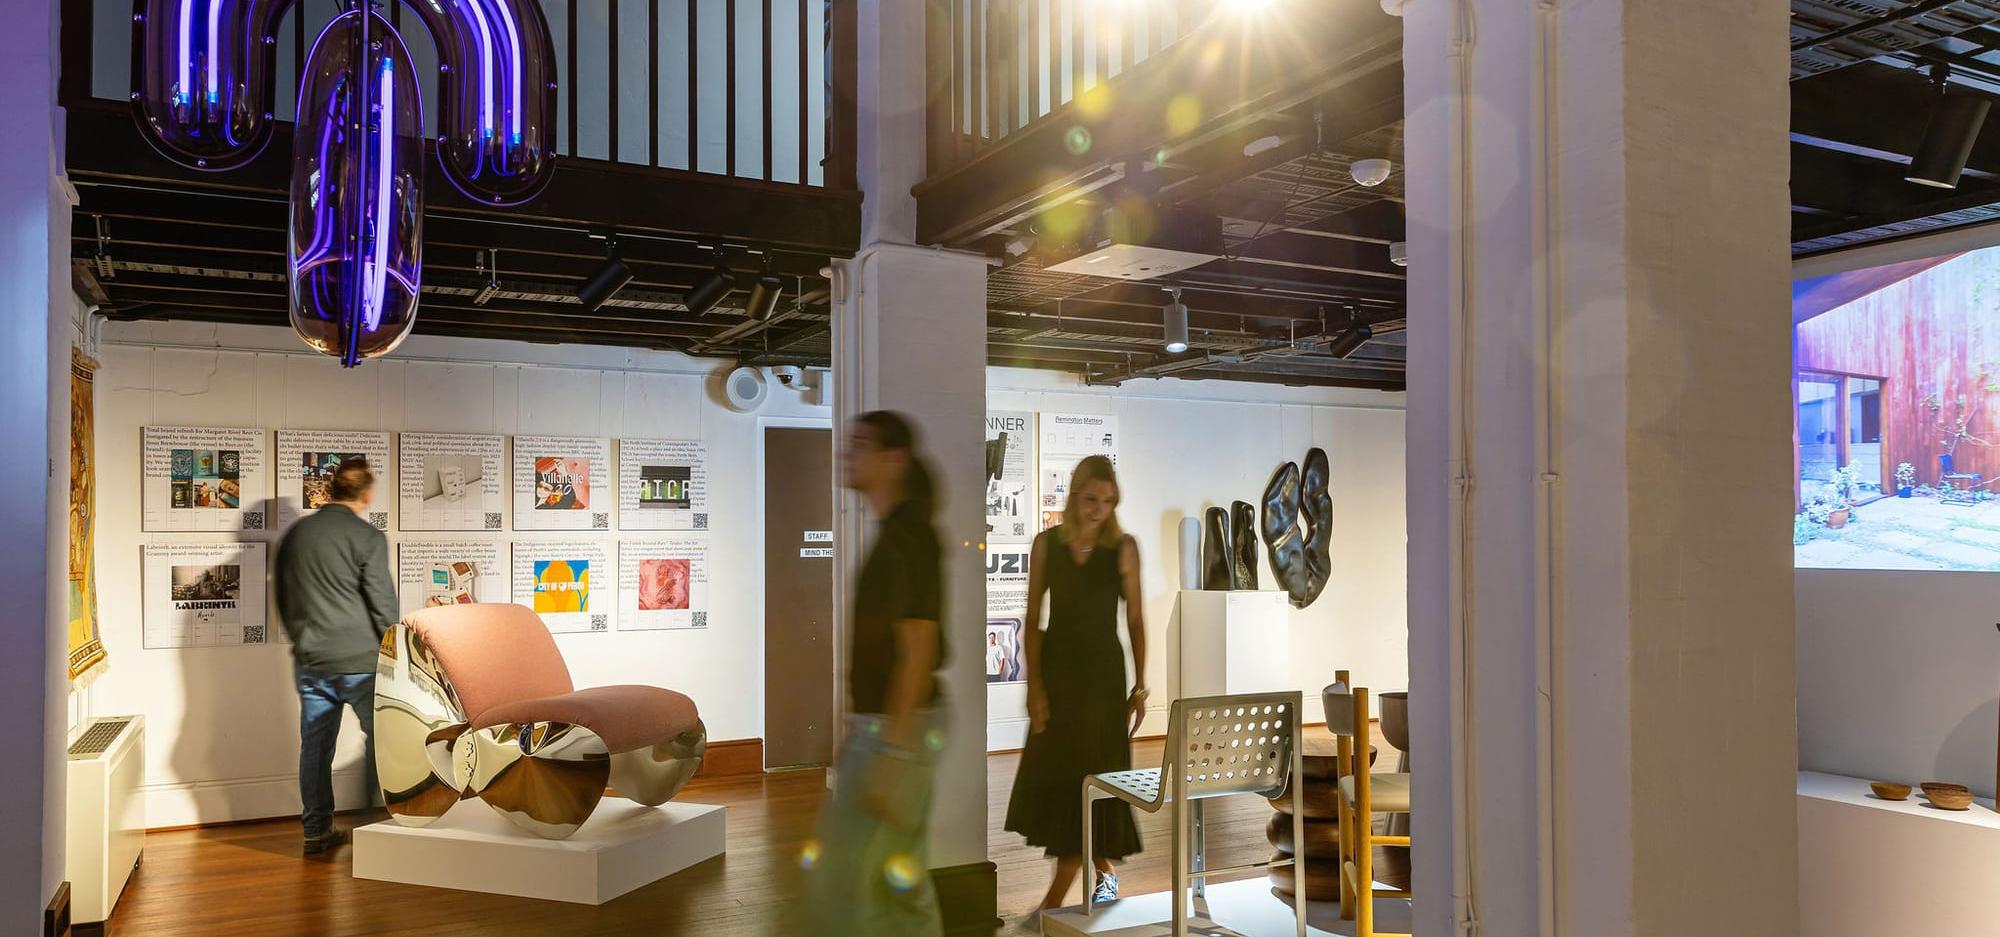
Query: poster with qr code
569	584
435	572
562	483
450	482
199	480
1066	440
306	463
204	595
1010	494
662	484
665	584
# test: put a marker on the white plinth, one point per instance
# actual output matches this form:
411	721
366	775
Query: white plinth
1869	867
1249	908
472	848
1235	642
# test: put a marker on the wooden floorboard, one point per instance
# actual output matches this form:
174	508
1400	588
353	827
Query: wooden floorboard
250	878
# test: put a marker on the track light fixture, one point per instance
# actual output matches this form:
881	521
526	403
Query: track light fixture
1174	316
764	296
608	279
1347	343
1954	128
710	290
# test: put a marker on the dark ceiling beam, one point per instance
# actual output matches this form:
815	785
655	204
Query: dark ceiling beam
103	144
1254	71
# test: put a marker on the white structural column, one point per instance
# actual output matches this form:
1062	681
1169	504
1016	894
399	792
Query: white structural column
909	334
1601	626
34	288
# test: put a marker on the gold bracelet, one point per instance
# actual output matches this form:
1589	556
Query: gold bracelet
1139	692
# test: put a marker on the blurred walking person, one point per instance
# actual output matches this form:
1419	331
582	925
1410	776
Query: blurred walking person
868	866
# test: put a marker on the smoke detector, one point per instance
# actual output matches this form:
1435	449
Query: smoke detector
1370	172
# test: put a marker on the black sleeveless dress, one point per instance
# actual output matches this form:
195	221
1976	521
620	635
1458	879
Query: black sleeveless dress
1083	672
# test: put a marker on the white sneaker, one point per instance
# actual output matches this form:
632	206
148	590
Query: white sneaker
1107	889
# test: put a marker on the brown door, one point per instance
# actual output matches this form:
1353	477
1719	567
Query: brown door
798	597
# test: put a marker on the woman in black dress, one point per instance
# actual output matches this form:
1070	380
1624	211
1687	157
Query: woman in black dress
1081	719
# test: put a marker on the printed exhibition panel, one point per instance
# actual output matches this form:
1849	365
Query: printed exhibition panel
204	595
662	484
306	460
451	482
1006	613
562	483
569	584
1067	439
200	480
666	584
1010	495
445	572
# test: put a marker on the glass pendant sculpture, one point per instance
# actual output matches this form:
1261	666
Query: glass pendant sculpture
356	251
202	78
203	81
496	116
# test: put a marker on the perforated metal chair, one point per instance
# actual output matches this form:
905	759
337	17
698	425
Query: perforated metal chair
1217	746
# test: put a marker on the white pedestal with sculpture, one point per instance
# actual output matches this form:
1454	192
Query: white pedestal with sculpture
623	847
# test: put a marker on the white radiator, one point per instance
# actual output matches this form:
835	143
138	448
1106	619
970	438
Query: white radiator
107	816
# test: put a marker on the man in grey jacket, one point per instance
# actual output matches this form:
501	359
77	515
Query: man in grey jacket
336	600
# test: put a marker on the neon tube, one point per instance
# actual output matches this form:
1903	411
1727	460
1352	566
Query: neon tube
185	91
514	81
486	64
214	49
378	264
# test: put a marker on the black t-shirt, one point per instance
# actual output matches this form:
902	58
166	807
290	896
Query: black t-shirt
901	580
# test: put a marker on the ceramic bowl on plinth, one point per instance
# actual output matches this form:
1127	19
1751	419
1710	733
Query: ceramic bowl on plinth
1948	796
1395	709
1890	790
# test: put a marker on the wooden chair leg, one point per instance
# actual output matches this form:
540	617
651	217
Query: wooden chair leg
1364	875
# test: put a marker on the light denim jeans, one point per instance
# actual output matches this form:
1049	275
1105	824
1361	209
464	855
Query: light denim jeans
869	875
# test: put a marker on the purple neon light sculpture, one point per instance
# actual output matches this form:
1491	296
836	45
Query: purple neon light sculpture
202	78
496	115
356	247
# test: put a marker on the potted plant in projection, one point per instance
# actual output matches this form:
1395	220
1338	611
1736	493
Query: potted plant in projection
1906	479
1827	512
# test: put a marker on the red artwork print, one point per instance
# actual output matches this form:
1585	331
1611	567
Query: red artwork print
663	585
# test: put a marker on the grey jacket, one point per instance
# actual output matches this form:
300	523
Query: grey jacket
335	594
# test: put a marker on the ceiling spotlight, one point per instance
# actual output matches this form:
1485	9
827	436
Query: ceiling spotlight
1399	253
1347	343
1174	315
764	296
1370	172
1954	128
606	282
710	290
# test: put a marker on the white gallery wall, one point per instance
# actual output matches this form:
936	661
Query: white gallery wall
1186	445
222	722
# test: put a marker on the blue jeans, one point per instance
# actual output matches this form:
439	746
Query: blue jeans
869	874
320	698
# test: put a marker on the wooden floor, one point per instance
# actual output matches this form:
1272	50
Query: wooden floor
250	879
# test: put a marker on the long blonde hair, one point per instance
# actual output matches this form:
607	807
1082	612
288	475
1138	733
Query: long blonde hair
1096	468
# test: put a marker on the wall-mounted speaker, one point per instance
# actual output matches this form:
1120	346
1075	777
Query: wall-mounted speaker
746	389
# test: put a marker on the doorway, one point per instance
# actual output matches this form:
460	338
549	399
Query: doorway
798	596
1839	423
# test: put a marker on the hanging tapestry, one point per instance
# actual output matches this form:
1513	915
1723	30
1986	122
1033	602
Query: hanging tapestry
86	648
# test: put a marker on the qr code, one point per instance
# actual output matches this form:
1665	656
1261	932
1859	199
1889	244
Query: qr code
253	634
701	522
253	520
600	623
492	520
600	522
701	619
380	519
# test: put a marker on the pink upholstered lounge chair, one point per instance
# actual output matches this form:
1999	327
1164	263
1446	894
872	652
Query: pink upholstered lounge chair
475	701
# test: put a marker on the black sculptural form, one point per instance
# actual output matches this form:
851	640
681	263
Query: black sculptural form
1215	552
1281	533
1301	560
1243	546
1316	504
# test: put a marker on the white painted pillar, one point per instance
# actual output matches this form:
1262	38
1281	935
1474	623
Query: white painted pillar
1601	643
34	294
909	334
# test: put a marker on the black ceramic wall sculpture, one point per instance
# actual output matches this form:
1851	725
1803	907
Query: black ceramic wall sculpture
1242	546
1215	562
1316	509
1281	533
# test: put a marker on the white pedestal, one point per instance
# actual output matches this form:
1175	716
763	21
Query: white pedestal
1234	642
1249	908
471	848
1869	867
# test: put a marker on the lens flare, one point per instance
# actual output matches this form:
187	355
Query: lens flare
1077	141
809	855
901	872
